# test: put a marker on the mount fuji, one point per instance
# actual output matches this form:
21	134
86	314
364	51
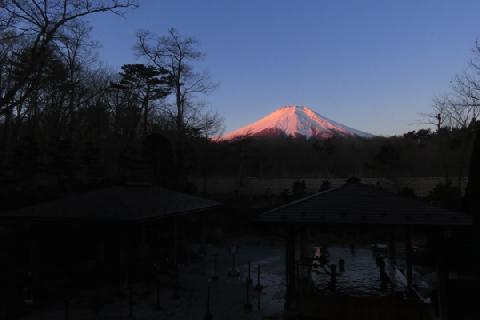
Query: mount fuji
296	121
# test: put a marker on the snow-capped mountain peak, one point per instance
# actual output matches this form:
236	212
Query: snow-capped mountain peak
296	120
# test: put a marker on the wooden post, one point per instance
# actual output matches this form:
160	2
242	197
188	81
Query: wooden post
67	309
333	269
248	304
176	287
306	255
131	259
392	250
341	265
99	271
442	273
158	306
97	298
175	243
259	301
352	248
383	274
130	302
249	275
4	296
287	272
290	270
392	257
124	262
215	274
35	261
203	235
408	252
208	314
259	286
234	272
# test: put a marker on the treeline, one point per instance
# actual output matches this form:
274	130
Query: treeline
67	122
443	153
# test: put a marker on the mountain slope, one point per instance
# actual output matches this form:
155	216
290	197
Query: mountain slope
296	120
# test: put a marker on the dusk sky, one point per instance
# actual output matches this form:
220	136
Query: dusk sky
372	65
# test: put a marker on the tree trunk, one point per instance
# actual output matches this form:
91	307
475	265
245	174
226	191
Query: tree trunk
71	110
145	112
472	194
6	137
180	131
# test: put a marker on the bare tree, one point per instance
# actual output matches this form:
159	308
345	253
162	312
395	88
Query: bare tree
40	22
77	51
462	106
176	54
460	110
208	124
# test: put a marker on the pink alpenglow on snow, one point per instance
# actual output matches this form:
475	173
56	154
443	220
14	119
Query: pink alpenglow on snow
296	121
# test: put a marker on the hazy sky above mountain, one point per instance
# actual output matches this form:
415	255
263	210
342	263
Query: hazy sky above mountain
372	65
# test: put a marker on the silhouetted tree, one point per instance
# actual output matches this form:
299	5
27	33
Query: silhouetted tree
144	85
39	23
387	155
157	152
176	54
472	192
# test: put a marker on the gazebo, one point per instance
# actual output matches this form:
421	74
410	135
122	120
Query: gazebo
360	207
111	234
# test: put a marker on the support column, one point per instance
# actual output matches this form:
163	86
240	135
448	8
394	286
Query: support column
124	259
132	256
144	243
35	262
392	256
408	256
203	234
176	288
290	270
175	243
306	255
100	262
442	273
392	250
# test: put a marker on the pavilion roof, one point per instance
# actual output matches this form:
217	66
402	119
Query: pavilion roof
119	203
361	204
